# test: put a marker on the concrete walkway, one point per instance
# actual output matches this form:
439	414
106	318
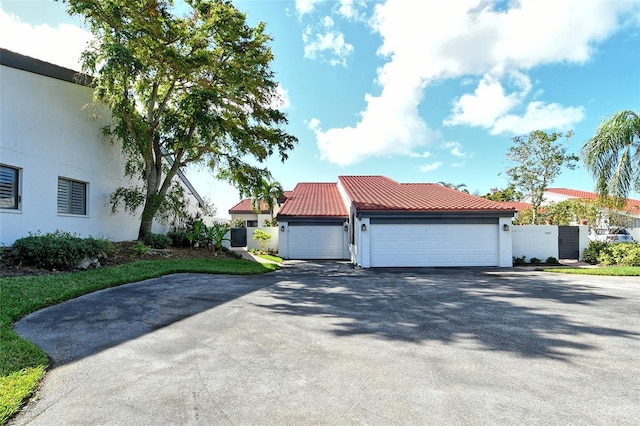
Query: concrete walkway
324	343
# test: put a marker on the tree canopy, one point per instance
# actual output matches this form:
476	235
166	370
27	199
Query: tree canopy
538	158
612	155
192	89
268	193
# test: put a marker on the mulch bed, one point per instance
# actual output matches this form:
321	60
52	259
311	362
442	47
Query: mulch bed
123	254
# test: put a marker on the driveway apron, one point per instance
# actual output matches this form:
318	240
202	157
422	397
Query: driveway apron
323	343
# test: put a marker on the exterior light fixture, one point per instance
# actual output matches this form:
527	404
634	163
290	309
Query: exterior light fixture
363	227
282	228
505	227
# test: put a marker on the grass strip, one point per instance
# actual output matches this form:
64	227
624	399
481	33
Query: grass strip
22	364
617	271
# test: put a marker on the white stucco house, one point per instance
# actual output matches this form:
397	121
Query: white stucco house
57	169
375	221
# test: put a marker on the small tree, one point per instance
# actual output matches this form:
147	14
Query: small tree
262	238
508	194
539	159
267	193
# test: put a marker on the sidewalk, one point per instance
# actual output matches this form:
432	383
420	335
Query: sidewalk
250	256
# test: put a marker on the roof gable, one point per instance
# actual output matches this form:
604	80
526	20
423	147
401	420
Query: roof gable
314	199
380	193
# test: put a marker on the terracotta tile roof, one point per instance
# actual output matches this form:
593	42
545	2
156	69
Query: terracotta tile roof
518	205
244	206
314	200
631	205
382	193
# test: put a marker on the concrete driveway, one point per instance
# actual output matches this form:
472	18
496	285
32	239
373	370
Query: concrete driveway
322	343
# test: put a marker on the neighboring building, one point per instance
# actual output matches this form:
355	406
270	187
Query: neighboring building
244	211
57	169
377	222
631	209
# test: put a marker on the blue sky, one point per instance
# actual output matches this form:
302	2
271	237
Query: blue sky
417	91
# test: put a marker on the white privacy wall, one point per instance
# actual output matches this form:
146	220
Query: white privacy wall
539	241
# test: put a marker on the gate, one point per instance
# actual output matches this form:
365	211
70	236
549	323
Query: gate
568	242
238	237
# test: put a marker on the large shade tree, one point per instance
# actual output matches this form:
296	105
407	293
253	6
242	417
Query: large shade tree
190	89
538	159
612	155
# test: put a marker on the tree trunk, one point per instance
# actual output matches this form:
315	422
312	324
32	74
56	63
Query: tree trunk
149	211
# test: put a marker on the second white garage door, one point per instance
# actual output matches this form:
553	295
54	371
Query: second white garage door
434	245
317	242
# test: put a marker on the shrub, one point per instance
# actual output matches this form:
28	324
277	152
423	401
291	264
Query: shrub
262	238
58	250
157	241
535	261
178	239
621	254
139	249
552	260
593	251
519	261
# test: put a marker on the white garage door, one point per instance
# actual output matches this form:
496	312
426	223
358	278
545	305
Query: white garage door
434	245
317	242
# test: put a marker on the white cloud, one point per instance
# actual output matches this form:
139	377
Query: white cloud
539	116
425	154
328	40
349	9
306	6
428	41
61	45
455	149
488	102
430	167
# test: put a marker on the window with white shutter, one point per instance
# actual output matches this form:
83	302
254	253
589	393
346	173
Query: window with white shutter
9	188
72	197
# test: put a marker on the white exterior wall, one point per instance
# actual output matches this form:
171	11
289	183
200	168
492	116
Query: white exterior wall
505	242
273	242
46	133
540	241
251	216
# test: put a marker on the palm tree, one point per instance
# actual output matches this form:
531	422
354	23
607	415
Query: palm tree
459	187
267	192
612	155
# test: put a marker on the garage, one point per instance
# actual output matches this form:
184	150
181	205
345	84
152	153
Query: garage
465	243
317	241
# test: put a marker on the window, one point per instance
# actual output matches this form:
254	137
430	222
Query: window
252	224
72	197
9	188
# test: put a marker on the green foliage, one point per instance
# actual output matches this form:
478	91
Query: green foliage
179	239
535	261
538	160
611	155
238	223
58	250
623	254
592	252
569	211
157	241
519	261
195	234
216	235
552	260
508	194
267	193
270	223
262	238
190	89
139	249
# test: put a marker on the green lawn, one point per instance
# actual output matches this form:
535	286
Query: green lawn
620	271
22	364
